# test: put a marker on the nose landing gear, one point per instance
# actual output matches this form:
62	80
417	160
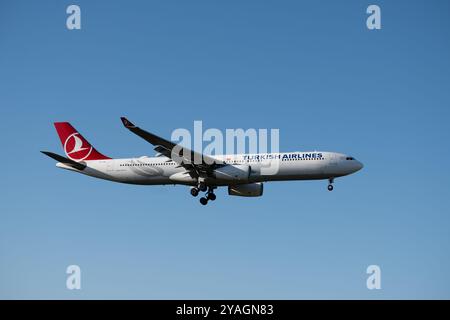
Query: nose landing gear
330	185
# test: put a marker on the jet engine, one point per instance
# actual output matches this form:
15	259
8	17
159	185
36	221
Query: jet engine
246	190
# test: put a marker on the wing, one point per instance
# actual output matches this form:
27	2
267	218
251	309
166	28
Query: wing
192	161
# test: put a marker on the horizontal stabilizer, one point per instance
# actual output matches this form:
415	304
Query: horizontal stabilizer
64	160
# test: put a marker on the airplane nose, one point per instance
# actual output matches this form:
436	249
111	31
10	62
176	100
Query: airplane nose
359	166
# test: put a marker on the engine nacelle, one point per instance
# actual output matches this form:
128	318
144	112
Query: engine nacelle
233	173
246	190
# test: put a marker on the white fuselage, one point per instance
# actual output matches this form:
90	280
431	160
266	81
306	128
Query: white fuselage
261	167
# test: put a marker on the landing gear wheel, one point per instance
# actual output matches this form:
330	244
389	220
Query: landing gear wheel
203	187
211	196
194	192
330	185
203	201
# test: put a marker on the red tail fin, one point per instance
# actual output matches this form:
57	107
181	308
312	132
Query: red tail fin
75	145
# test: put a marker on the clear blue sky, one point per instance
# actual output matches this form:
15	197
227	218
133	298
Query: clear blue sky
310	68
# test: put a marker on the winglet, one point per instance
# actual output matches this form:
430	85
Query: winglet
127	123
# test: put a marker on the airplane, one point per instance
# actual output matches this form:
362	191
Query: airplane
243	174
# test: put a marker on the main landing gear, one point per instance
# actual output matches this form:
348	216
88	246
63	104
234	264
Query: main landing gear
208	196
330	185
211	196
194	192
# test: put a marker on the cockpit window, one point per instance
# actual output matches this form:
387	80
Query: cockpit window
350	158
